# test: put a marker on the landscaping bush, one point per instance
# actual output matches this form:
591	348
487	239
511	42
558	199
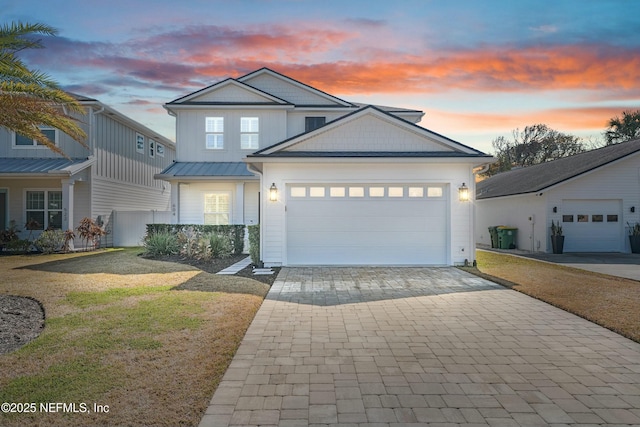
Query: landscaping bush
162	243
235	232
219	246
254	243
50	241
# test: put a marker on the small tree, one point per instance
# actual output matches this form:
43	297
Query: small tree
623	129
90	232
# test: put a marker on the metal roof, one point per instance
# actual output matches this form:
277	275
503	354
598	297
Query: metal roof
10	165
206	169
536	178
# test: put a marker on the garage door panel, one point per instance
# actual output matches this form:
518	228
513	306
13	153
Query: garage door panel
592	225
368	231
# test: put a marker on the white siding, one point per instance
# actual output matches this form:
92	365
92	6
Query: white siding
191	133
231	93
192	199
296	119
526	213
251	203
287	91
460	241
368	133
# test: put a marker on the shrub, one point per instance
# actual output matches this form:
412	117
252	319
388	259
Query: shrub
18	245
90	232
219	246
50	241
235	232
162	243
254	243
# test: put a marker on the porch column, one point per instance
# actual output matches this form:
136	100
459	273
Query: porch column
67	206
239	210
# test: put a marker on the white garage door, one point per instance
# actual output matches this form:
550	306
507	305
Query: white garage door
367	224
592	225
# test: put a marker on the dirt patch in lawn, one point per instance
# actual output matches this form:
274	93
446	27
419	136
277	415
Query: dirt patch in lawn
609	301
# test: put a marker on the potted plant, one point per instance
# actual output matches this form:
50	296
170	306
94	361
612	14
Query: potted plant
634	237
557	239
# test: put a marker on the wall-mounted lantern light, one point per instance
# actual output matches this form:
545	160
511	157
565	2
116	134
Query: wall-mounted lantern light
273	193
555	209
463	193
633	208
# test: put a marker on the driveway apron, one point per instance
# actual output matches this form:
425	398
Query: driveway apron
423	346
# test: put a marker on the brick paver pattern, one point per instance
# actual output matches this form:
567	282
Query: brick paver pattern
422	346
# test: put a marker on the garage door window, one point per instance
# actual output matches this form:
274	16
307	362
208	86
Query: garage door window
612	218
583	218
316	192
356	191
337	192
596	218
376	191
567	218
396	192
298	191
416	192
434	192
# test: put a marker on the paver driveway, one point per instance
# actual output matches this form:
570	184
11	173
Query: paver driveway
430	346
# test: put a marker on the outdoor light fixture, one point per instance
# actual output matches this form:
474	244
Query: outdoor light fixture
463	193
633	208
555	209
273	193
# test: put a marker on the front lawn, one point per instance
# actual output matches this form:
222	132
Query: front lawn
148	339
612	302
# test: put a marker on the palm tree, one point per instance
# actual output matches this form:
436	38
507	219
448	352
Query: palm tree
28	98
623	129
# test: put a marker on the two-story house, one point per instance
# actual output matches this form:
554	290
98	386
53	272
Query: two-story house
330	181
115	172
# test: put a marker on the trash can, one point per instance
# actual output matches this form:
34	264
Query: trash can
507	237
493	232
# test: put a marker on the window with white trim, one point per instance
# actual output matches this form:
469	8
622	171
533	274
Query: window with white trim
160	149
152	148
21	141
249	131
44	209
214	130
140	143
217	208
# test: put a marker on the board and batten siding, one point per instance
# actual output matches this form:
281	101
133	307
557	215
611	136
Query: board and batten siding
273	240
251	203
191	138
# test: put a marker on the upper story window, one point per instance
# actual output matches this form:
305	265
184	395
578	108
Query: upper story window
214	129
140	143
311	123
152	148
20	141
160	149
249	130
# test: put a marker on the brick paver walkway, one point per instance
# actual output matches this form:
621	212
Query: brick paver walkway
422	346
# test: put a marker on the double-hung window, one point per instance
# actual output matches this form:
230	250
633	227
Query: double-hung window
214	130
21	141
217	208
44	209
249	131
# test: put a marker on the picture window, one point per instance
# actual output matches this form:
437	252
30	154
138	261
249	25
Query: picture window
217	208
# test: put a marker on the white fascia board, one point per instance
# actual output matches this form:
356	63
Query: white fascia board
435	160
229	107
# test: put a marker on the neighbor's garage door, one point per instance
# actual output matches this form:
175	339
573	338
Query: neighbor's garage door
592	225
367	224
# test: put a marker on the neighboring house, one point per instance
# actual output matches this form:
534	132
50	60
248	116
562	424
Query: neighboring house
331	182
593	195
115	172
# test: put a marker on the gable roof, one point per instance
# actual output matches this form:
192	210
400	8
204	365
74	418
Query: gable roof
264	71
441	146
264	97
542	176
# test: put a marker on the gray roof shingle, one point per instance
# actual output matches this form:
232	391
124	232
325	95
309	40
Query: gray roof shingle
539	177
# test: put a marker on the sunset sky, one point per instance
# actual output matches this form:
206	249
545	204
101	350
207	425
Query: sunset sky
478	69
